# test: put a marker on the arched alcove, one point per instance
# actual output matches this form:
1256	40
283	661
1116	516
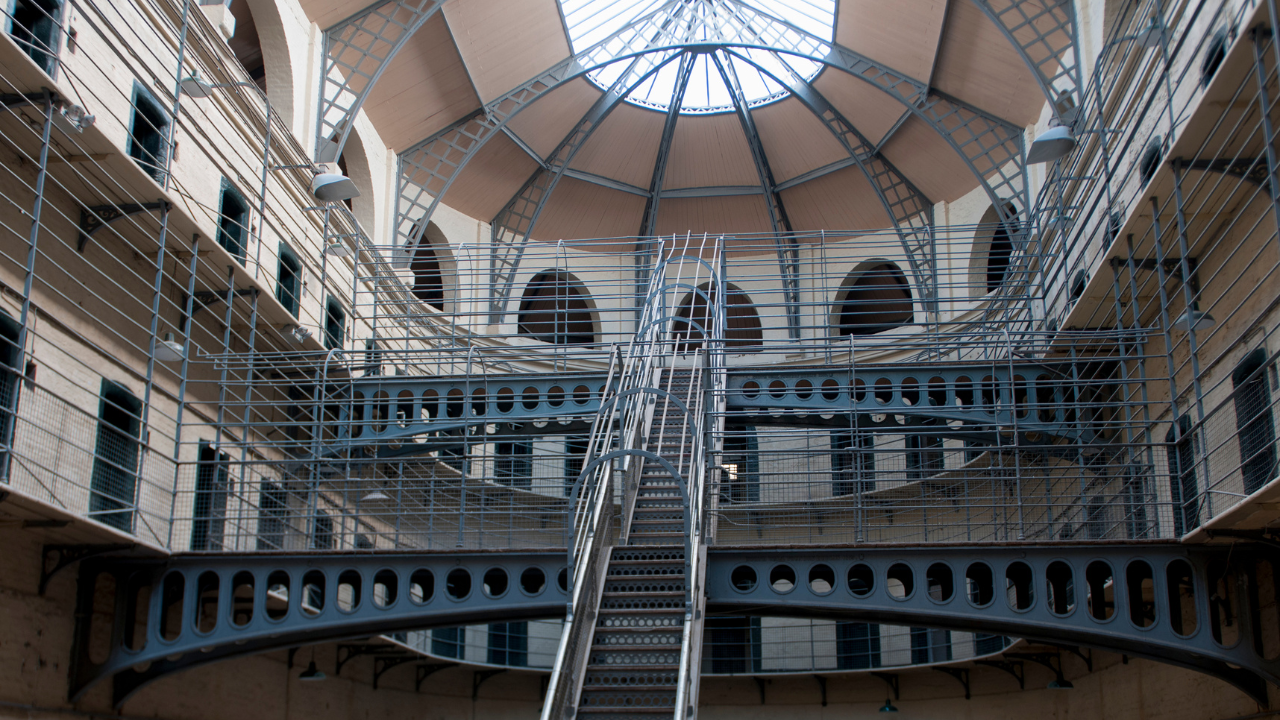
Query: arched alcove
742	331
992	249
354	163
428	281
261	47
874	297
556	309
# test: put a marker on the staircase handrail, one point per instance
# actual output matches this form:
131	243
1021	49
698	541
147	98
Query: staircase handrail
591	505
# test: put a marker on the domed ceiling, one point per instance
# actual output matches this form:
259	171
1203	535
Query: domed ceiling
769	134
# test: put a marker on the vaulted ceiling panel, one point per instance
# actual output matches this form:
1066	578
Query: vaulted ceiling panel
794	140
327	13
546	122
714	215
429	75
580	209
929	161
710	150
624	147
494	175
871	110
842	200
902	35
506	42
978	64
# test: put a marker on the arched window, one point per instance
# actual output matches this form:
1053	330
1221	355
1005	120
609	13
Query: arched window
554	310
1254	422
742	329
873	301
428	285
992	248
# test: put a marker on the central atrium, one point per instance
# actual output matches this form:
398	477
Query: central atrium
639	359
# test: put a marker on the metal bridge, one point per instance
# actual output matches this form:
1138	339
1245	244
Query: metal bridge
1198	607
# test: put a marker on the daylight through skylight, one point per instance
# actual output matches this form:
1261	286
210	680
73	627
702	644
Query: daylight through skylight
590	22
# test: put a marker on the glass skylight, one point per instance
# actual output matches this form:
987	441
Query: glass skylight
591	22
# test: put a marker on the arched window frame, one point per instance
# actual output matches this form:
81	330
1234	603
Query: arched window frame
557	279
836	324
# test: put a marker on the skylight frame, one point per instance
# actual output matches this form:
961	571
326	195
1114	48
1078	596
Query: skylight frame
591	21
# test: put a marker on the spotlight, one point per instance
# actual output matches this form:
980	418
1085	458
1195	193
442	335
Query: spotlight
333	187
195	86
888	706
1195	318
168	350
299	334
1052	144
312	673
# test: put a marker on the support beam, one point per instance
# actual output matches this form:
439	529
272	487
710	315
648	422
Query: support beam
356	53
93	219
907	207
786	246
992	148
645	250
514	224
1044	34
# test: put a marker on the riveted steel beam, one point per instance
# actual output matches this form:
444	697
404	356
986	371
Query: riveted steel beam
1167	604
356	53
195	613
1045	36
386	411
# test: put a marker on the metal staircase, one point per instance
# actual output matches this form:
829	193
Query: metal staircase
634	666
632	642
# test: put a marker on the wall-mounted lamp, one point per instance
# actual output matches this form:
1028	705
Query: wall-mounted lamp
72	119
312	673
298	334
375	496
1194	318
888	706
1052	144
169	350
333	187
1151	36
336	249
195	86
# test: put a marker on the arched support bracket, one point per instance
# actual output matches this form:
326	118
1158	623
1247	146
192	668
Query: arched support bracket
1045	36
1172	603
198	609
357	51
